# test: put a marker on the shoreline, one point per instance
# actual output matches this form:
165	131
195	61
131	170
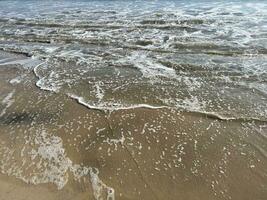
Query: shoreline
126	100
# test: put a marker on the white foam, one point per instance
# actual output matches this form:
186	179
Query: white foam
188	104
27	63
52	155
45	83
35	69
51	165
101	190
227	118
112	107
16	80
99	91
115	142
192	104
8	101
148	67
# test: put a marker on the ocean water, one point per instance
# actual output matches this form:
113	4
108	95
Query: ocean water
202	56
205	58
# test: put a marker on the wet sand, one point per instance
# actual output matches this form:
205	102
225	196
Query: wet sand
51	147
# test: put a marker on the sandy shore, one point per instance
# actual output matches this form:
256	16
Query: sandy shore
49	143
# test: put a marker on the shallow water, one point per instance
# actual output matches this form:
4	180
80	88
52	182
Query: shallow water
135	99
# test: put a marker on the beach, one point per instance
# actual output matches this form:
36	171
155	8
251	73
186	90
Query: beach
133	100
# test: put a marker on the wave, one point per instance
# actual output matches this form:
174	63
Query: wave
214	115
114	107
117	107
